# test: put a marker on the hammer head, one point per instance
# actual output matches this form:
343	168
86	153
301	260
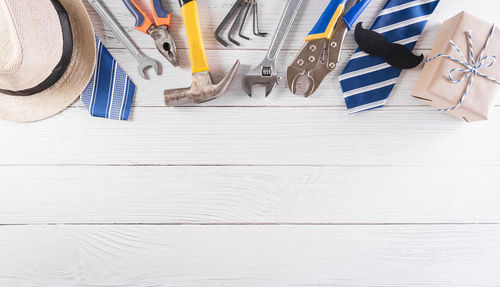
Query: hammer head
202	89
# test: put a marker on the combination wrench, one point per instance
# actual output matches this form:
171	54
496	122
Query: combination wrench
143	62
265	73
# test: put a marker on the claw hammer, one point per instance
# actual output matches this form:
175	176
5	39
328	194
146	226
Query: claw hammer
202	89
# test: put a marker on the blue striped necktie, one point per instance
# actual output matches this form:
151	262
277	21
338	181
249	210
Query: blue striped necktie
367	81
110	92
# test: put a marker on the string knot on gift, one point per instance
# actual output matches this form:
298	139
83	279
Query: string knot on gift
472	67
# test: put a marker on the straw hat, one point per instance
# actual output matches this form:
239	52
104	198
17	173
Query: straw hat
47	55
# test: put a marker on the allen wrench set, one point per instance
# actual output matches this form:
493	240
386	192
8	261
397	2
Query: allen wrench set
241	8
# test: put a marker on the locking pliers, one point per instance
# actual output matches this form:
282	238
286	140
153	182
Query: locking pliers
321	51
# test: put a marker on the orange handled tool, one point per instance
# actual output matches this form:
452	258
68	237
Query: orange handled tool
158	29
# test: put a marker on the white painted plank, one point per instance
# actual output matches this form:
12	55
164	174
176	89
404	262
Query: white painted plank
397	165
254	136
253	256
48	195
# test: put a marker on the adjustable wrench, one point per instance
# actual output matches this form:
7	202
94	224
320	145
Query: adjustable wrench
144	62
265	73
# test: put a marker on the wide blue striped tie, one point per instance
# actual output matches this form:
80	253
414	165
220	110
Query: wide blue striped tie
110	92
367	81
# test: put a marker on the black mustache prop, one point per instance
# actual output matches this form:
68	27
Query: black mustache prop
395	55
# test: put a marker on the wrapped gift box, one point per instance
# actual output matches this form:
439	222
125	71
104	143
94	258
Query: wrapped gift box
434	86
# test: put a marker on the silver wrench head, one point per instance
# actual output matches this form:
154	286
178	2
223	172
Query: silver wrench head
261	75
144	63
269	82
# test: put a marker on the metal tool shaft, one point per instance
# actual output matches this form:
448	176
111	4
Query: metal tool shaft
226	20
290	11
143	61
265	73
113	25
237	22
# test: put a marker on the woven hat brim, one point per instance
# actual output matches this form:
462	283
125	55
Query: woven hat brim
74	81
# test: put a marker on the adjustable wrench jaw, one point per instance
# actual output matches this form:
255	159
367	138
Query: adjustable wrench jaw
263	74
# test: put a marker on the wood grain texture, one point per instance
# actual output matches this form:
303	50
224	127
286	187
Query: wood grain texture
254	136
216	195
250	256
278	191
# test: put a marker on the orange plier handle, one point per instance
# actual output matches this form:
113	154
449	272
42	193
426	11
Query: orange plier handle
142	21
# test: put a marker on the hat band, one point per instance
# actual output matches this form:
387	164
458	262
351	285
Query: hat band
63	64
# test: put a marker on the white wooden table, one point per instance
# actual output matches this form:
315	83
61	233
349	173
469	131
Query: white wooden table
278	191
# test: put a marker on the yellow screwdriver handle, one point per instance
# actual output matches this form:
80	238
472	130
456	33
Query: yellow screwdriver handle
197	54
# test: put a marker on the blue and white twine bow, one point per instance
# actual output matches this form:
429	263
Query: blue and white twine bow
472	68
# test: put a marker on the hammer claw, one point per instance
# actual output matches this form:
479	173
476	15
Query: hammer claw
202	89
224	83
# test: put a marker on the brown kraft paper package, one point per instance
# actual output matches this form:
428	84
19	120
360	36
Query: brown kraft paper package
435	88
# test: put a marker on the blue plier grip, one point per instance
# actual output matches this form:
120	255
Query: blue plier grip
356	11
142	21
324	28
162	16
